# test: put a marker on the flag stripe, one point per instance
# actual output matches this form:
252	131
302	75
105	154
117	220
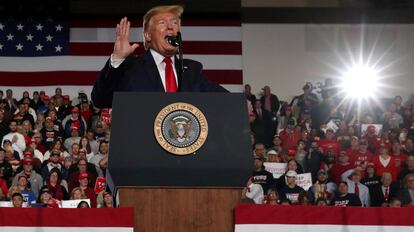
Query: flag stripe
89	77
300	215
107	35
115	217
72	90
134	22
190	47
95	63
64	229
320	228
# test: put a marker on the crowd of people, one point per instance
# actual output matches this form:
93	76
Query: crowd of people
53	148
358	153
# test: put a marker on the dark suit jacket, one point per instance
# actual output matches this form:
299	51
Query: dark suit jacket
140	74
377	197
405	197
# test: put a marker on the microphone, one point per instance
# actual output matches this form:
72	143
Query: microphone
174	40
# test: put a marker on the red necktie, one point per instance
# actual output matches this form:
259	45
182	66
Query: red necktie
386	194
170	83
356	190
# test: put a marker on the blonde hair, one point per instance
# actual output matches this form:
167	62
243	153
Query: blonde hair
174	9
72	194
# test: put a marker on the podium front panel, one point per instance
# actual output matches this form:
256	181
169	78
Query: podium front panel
136	158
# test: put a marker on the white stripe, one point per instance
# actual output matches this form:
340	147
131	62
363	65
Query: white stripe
318	228
65	229
95	63
107	35
72	90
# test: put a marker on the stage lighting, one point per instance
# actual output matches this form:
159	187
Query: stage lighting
360	82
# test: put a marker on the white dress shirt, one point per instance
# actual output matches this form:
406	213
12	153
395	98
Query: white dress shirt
159	61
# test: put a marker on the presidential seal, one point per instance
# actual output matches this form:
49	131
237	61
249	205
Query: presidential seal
181	128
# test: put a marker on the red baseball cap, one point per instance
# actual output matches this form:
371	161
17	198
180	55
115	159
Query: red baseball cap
83	175
28	153
27	161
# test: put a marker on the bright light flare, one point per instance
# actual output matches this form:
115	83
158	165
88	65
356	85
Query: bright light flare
360	82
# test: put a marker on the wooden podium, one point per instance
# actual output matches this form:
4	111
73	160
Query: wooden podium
196	192
159	209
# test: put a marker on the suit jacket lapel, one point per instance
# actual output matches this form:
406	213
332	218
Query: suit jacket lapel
179	73
152	71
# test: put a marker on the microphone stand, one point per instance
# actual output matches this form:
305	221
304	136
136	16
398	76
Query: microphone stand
180	53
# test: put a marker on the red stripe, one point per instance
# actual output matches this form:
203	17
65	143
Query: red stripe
89	77
120	217
268	214
190	47
230	77
138	23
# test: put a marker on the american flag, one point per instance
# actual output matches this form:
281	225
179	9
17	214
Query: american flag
29	38
73	52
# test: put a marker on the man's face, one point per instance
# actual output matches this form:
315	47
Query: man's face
363	147
247	88
22	181
322	177
28	168
396	147
329	135
259	150
410	161
104	148
49	124
356	177
410	182
291	180
13	126
75	148
83	182
17	201
258	164
82	165
9	94
22	108
161	25
343	188
54	158
386	180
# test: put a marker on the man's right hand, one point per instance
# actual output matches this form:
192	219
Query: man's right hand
122	47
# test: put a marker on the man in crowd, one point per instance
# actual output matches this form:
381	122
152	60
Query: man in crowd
291	190
344	198
35	180
260	175
17	139
157	69
408	168
407	193
355	186
381	195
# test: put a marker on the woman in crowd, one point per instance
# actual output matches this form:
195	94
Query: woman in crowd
84	145
58	146
56	186
77	194
272	197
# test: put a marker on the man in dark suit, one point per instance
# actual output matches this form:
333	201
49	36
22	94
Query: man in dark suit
382	194
157	70
407	193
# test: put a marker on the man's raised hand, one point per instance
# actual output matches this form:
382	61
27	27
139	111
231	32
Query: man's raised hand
122	47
